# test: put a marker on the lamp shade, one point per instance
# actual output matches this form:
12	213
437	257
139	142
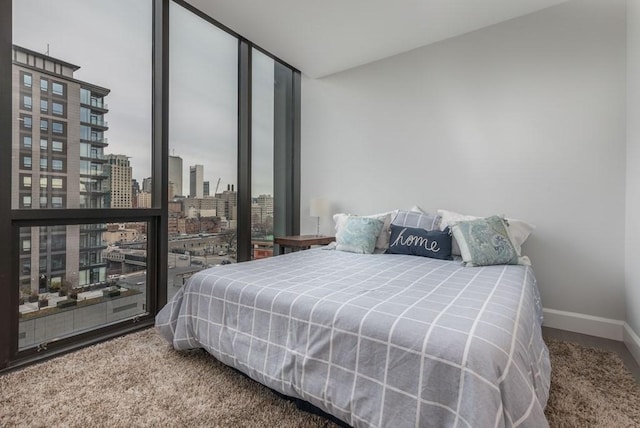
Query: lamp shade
318	207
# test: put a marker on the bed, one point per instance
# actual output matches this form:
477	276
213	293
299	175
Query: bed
377	340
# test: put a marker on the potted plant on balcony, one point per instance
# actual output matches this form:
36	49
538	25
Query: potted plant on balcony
21	298
33	297
72	292
54	288
111	292
65	288
43	302
66	303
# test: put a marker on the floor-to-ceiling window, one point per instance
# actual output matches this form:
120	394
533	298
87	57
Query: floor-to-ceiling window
138	138
273	116
81	134
203	146
262	150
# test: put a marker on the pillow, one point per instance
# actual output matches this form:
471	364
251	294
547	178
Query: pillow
485	242
519	229
358	235
413	241
416	219
382	240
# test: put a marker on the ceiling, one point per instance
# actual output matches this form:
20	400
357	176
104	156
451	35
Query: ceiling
324	37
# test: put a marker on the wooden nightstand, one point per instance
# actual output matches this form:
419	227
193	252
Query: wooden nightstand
302	242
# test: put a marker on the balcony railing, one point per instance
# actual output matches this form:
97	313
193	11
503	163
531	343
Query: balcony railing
99	122
96	140
99	104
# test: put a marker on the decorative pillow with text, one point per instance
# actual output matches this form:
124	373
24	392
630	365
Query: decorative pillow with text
414	241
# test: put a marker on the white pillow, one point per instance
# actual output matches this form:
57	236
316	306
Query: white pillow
382	242
518	229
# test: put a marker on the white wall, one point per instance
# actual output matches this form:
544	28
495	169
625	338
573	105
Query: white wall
525	118
633	171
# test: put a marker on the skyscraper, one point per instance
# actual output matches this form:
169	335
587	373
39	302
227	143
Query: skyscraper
118	183
146	184
175	175
196	175
135	190
57	147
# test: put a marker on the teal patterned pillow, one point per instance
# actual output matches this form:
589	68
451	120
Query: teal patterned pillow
486	241
359	235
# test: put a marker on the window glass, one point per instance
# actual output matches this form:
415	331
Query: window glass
26	141
76	85
56	183
262	150
26	181
43	144
57	108
57	88
26	162
85	96
26	80
85	114
57	127
43	163
26	102
26	121
43	182
85	150
202	231
26	201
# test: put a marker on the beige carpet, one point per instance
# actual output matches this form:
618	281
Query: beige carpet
590	388
138	381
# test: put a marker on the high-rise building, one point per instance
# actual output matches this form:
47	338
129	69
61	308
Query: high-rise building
135	190
265	202
57	151
146	184
226	203
144	200
118	182
175	175
206	189
196	175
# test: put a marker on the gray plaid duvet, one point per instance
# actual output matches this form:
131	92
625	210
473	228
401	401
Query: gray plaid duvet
376	340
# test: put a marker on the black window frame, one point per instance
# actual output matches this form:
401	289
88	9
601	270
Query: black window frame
156	217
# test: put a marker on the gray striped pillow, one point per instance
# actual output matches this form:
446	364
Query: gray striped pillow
415	219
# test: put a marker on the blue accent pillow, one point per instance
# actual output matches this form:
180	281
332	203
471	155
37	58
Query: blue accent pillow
486	242
414	241
359	235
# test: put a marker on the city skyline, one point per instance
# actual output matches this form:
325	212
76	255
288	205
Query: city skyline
213	142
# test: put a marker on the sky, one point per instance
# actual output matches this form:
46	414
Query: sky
111	42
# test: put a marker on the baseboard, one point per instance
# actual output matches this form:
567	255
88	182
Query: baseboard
584	324
632	341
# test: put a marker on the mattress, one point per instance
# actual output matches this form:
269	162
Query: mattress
376	340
